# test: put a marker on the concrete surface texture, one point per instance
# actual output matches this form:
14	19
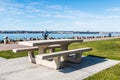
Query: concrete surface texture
21	69
2	59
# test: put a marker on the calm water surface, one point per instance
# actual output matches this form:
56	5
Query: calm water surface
21	36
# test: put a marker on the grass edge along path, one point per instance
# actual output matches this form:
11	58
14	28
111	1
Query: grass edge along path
112	73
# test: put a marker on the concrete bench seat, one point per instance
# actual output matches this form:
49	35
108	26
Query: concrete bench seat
31	50
43	59
63	53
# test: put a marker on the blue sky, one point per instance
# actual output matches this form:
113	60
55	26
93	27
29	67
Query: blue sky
67	15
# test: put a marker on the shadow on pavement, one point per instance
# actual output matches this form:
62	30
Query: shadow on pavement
86	61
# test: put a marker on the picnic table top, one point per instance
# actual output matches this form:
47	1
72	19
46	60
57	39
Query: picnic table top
48	42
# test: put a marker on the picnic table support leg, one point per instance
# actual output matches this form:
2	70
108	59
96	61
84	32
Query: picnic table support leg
42	49
31	56
54	64
57	62
78	57
52	50
63	48
75	59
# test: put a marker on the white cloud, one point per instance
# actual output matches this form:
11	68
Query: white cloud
2	10
14	8
57	7
114	10
9	7
39	9
63	16
77	13
45	15
97	23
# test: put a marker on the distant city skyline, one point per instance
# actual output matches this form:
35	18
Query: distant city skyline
60	15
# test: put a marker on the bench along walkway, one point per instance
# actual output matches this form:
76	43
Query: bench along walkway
54	59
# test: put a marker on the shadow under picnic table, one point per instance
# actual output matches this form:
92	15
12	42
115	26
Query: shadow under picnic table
86	61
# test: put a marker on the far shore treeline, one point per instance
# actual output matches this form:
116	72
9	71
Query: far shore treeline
52	32
59	32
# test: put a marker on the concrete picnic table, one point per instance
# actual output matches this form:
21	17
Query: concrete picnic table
43	45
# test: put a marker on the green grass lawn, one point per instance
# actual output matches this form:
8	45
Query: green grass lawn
9	54
109	49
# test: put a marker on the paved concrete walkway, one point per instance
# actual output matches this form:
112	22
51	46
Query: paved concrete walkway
2	59
21	69
96	39
10	46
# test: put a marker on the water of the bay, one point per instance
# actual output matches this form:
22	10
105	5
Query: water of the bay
27	36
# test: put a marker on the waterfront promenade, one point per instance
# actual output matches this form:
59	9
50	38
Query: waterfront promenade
22	69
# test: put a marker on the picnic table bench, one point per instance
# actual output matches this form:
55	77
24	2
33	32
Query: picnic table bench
31	50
